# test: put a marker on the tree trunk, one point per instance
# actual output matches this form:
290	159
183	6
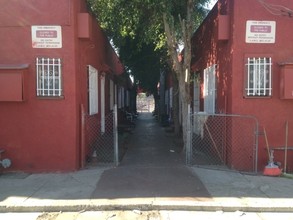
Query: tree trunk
157	100
177	126
181	68
184	94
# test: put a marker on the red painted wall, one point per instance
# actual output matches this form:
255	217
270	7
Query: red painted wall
44	134
272	113
229	54
39	134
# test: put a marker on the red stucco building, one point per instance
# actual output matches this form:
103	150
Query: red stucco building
54	62
247	48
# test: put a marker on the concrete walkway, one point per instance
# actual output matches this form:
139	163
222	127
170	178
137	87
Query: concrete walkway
153	167
152	176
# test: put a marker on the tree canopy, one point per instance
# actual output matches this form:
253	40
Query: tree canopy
137	29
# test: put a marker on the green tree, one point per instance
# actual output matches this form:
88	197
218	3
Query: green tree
148	35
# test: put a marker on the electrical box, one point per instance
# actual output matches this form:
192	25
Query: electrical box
286	81
12	83
84	25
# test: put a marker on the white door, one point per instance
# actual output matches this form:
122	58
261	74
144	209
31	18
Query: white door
210	89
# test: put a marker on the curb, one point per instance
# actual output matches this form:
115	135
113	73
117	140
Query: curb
96	206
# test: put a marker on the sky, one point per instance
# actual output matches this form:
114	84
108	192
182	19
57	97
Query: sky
211	5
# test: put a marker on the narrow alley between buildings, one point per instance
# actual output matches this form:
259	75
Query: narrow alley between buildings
153	166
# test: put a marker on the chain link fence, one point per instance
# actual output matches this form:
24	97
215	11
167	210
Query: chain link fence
101	139
145	103
223	141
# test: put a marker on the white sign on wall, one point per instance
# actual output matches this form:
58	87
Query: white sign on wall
46	37
261	32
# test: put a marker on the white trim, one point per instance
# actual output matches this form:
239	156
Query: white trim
209	92
93	90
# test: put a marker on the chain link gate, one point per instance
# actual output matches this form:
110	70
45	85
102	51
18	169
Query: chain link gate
144	103
223	141
101	139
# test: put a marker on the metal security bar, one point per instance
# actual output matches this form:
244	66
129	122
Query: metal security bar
259	76
49	80
223	141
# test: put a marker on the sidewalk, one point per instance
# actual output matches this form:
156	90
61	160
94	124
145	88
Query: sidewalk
152	176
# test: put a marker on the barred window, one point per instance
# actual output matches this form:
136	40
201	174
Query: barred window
259	76
49	81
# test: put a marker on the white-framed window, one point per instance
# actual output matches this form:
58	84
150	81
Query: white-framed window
209	90
49	77
258	77
93	90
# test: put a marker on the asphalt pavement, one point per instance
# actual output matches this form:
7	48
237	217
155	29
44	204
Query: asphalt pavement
151	176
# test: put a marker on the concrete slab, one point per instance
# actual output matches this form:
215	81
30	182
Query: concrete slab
46	189
249	192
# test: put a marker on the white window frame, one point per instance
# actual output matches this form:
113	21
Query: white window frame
93	90
49	77
258	77
209	90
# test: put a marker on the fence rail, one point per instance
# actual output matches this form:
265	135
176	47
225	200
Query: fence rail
223	141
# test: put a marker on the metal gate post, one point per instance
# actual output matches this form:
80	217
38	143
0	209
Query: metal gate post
115	132
256	145
188	137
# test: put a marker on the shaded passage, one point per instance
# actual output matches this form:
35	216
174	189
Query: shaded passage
153	166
